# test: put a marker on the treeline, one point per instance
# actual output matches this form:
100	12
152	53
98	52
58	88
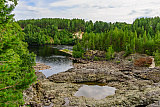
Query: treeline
71	25
49	35
51	31
150	25
143	36
61	31
121	40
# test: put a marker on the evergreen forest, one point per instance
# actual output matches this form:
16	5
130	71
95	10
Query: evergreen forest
142	36
16	63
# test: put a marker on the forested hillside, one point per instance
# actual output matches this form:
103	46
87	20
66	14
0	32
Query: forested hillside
61	31
142	36
16	71
51	31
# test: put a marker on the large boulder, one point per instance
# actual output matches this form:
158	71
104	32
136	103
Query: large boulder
40	76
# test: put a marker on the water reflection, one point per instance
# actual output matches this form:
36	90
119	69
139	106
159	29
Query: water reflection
50	55
96	92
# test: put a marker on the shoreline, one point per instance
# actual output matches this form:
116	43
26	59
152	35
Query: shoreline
41	66
135	86
66	51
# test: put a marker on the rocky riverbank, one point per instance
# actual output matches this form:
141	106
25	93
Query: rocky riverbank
66	51
136	86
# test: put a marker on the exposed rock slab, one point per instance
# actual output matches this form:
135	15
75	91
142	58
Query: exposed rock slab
134	87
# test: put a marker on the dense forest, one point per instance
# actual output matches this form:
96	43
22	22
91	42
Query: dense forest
143	36
16	63
51	31
61	31
16	71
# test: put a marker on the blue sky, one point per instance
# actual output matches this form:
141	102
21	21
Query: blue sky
95	10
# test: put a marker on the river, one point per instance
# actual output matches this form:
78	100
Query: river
60	62
51	56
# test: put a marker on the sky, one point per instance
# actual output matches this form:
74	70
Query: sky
95	10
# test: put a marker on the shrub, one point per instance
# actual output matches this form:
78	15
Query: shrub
157	57
130	60
88	57
77	50
128	50
66	50
118	62
95	58
109	53
143	62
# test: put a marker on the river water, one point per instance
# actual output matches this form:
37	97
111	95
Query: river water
50	55
60	62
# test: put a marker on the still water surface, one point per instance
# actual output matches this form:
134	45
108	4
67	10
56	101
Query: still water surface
95	91
50	55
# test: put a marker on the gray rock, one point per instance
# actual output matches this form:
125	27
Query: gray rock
40	76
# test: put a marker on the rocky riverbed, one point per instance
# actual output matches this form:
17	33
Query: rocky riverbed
41	66
136	86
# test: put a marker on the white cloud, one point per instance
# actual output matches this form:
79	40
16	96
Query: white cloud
105	10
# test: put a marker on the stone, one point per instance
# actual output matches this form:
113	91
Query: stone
41	66
33	104
51	96
139	86
39	105
40	76
47	103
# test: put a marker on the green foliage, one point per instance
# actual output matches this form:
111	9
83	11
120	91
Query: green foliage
123	37
157	57
109	53
78	51
140	36
95	58
35	35
16	71
66	50
118	62
6	9
56	40
128	50
88	57
61	30
130	60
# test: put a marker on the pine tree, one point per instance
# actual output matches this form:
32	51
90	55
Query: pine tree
16	71
157	57
109	53
6	9
56	40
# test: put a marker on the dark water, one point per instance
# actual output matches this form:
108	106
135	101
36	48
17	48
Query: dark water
50	55
95	91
